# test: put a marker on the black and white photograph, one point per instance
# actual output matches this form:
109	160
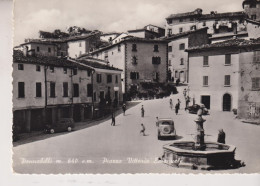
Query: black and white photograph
135	86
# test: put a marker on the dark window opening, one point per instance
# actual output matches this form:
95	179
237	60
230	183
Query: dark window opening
134	47
205	60
21	92
109	78
75	90
182	61
116	78
75	71
256	83
51	69
65	89
38	90
205	80
38	49
182	46
38	68
65	70
156	48
134	75
49	50
170	48
52	90
180	30
20	67
99	78
227	80
89	90
156	60
228	59
119	48
134	60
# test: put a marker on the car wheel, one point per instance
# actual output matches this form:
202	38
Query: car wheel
52	131
69	129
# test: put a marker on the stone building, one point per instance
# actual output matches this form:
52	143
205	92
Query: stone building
221	26
47	88
148	32
178	57
252	9
142	60
225	76
109	36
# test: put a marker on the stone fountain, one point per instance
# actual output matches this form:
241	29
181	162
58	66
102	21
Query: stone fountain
199	154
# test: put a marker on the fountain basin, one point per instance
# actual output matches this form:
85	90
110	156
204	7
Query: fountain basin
215	155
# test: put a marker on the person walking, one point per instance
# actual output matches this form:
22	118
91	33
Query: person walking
177	107
187	102
157	121
179	103
142	129
124	108
142	111
171	104
113	123
184	92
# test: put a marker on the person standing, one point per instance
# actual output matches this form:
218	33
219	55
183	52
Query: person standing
179	103
187	102
184	92
221	136
113	123
124	108
142	129
142	111
171	104
177	108
157	121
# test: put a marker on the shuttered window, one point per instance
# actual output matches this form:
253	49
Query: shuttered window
256	83
65	89
21	93
227	80
52	89
206	61
228	59
205	80
38	90
75	90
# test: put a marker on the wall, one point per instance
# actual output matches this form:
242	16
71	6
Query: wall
74	48
140	34
175	57
249	100
29	76
144	64
253	11
119	38
107	37
215	72
253	30
43	49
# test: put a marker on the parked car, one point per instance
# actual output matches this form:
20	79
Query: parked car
64	124
194	109
165	128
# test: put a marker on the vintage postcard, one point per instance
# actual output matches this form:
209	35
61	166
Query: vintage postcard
129	86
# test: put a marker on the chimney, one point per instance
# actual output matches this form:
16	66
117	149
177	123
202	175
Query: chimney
25	51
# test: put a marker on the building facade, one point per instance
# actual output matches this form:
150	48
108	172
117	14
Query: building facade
252	9
142	60
178	57
46	89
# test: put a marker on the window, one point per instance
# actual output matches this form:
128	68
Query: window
38	49
227	80
156	76
21	93
181	20
256	58
61	54
89	73
182	61
134	75
170	48
156	60
65	70
52	90
169	31
228	59
170	63
116	78
180	30
51	69
75	90
253	17
38	68
205	81
65	89
176	74
49	50
134	60
182	46
75	71
38	90
193	27
134	47
99	78
205	61
106	56
256	83
89	90
20	66
109	78
95	96
119	48
169	21
204	23
102	95
156	48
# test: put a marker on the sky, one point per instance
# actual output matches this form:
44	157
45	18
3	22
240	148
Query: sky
30	16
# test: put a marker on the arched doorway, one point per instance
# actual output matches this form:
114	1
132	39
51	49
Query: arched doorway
226	102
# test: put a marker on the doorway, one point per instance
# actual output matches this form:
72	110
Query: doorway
206	101
227	102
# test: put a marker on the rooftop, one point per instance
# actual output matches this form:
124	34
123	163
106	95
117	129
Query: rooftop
222	15
226	44
18	57
183	34
196	12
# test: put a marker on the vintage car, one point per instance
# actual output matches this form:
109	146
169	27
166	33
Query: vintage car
64	124
165	128
194	109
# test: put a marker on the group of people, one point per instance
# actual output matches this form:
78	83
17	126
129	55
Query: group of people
177	106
